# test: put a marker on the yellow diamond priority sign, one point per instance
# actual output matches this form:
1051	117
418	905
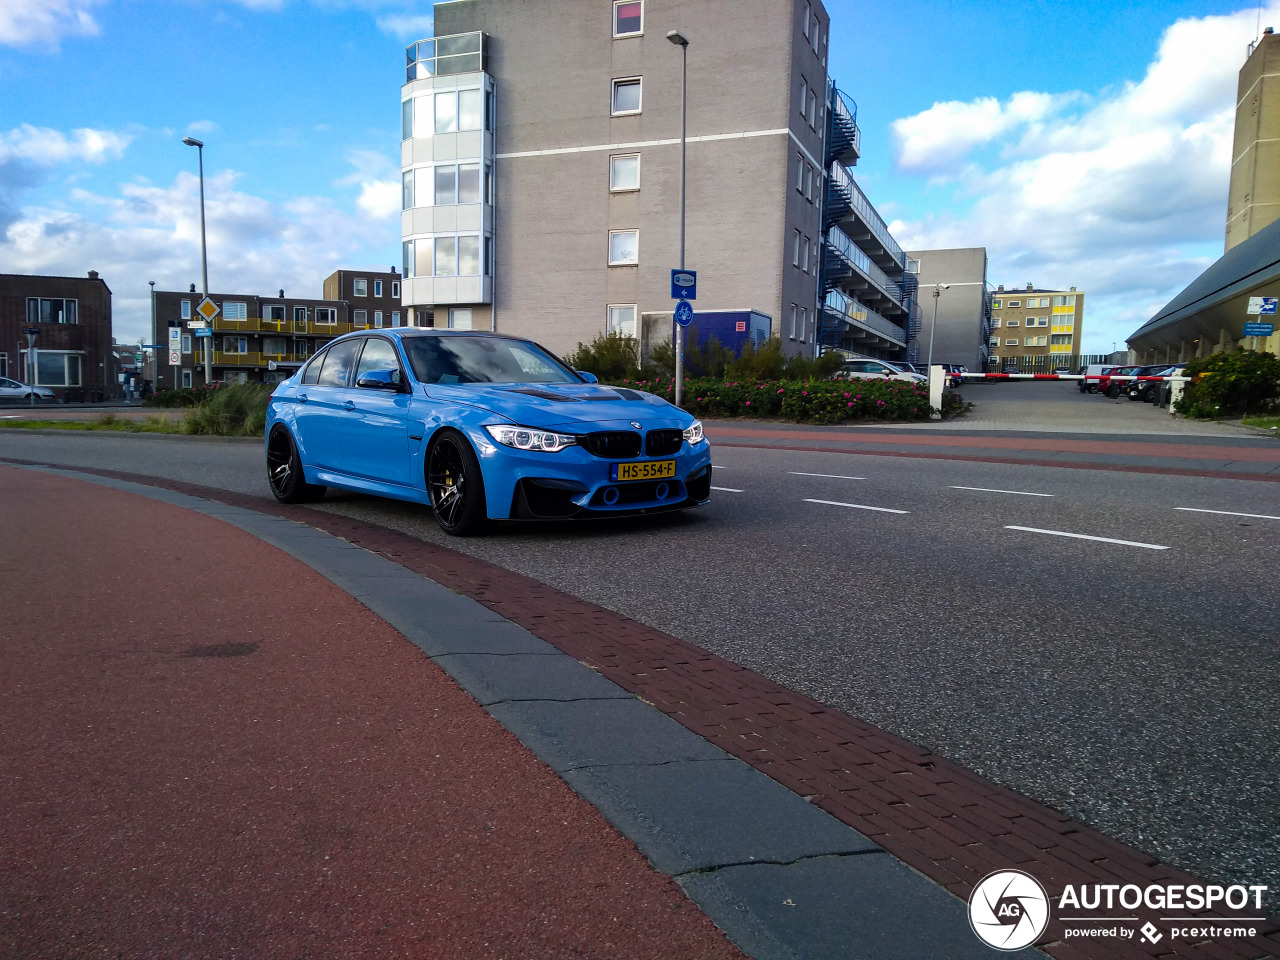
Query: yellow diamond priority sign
207	309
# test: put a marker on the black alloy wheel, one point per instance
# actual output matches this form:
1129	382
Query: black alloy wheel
455	485
284	470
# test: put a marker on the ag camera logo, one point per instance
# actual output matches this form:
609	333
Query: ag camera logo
1008	910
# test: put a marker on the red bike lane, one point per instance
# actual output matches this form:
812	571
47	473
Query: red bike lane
211	751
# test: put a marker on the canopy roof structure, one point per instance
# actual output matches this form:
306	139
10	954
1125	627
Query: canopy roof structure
1213	306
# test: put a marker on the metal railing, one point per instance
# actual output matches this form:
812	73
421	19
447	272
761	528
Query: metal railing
445	56
839	241
283	327
846	137
854	311
841	179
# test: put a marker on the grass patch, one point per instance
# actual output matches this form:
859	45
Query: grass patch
108	421
1267	423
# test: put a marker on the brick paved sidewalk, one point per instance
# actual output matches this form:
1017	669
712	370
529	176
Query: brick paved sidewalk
951	825
210	751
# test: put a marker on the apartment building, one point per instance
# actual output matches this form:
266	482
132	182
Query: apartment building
1036	328
373	298
1253	198
541	174
71	317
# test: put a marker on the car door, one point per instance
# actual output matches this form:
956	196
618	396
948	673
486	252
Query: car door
376	424
320	411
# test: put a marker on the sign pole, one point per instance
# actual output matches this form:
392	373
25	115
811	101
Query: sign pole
684	109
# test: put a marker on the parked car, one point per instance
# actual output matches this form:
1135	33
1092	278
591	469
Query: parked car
1011	368
1092	375
908	367
954	371
1143	389
13	390
876	369
1061	371
1111	388
480	427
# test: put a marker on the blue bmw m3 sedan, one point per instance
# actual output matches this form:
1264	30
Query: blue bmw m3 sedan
481	427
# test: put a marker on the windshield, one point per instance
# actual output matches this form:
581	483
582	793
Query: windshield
463	359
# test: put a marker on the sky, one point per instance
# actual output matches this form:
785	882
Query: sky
1083	144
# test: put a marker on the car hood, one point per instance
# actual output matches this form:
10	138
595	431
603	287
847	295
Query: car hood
567	406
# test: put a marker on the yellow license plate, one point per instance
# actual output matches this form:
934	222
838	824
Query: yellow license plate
646	470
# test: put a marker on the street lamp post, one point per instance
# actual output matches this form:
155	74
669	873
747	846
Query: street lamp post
937	292
677	334
204	260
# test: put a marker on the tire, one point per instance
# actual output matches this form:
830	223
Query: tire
1113	392
455	485
284	470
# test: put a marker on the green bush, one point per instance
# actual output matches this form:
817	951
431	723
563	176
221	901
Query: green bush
609	356
188	397
238	410
1230	384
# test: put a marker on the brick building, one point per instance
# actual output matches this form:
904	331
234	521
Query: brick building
374	298
1036	329
73	355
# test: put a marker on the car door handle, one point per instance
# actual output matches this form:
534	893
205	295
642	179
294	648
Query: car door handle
348	404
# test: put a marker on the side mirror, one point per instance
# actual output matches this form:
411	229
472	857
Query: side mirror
589	377
380	380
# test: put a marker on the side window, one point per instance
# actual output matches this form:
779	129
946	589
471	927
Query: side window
378	354
337	364
312	373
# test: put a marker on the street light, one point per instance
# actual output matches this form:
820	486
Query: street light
937	292
677	336
204	261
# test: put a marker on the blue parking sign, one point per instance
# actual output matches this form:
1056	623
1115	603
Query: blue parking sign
684	313
684	284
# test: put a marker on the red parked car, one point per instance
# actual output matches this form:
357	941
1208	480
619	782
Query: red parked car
1113	390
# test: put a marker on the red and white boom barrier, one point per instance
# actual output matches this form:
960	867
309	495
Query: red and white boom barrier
938	377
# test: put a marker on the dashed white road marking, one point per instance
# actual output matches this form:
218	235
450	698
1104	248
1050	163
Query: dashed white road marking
1229	513
728	490
1085	536
855	506
830	476
1021	493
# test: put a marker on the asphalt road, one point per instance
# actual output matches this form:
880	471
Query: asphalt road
1134	688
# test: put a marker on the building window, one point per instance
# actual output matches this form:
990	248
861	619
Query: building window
406	190
186	309
360	288
1012	323
804	95
993	343
804	247
4	365
808	182
186	343
235	344
235	311
301	349
620	319
804	322
812	115
795	313
459	318
449	184
299	314
276	346
628	18
624	172
395	288
1015	303
795	252
377	288
446	262
1012	342
57	368
995	323
800	165
395	318
377	318
1060	338
406	119
326	315
450	111
274	312
624	247
626	96
996	305
186	379
44	310
360	318
406	251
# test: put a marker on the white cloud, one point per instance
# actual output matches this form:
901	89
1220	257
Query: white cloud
29	22
407	26
152	232
1122	194
379	181
42	146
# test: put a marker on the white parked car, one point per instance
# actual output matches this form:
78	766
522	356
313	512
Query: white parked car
13	390
876	370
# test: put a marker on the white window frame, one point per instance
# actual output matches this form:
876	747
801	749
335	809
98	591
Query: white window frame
360	287
186	379
64	354
609	325
377	318
395	318
613	96
804	95
624	156
795	312
329	313
235	310
623	263
186	343
795	252
805	248
395	288
804	322
1011	342
800	165
1014	303
299	314
377	288
1012	323
808	12
455	315
184	310
633	33
4	365
360	318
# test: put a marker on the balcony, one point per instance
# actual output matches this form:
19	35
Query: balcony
866	324
848	207
254	359
845	264
445	56
845	143
282	327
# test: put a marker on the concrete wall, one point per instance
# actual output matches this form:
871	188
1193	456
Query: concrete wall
1253	199
552	63
959	336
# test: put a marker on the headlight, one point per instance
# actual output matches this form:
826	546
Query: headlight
693	433
528	438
